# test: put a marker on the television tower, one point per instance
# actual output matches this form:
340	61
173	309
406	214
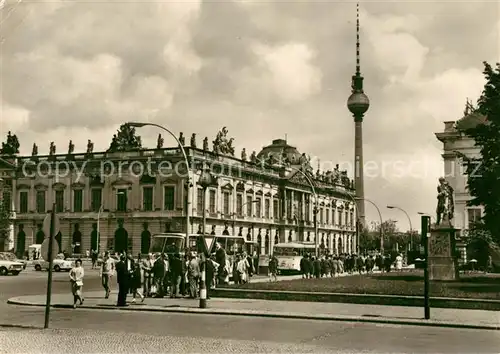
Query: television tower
358	103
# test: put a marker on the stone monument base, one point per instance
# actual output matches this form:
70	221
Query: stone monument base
441	253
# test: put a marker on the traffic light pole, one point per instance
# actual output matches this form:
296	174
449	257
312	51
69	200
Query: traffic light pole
51	262
425	232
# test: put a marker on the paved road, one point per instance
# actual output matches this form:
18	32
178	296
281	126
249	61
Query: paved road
151	331
120	331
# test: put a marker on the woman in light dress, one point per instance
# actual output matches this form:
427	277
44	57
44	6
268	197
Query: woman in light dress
76	275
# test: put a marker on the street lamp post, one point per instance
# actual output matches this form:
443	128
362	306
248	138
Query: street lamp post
140	125
204	181
98	229
409	220
381	222
358	223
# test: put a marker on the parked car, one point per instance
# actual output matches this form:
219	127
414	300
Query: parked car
9	256
59	264
9	267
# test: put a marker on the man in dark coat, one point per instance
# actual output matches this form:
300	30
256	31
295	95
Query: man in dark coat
159	271
304	266
176	273
122	277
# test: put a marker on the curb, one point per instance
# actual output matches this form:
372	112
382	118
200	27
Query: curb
367	299
268	314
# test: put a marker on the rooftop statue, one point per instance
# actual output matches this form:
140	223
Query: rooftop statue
222	145
71	147
159	142
205	144
445	207
244	154
52	149
90	147
253	157
11	146
193	140
34	150
181	139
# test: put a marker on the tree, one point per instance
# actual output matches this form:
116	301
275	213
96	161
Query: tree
11	146
484	172
368	240
125	140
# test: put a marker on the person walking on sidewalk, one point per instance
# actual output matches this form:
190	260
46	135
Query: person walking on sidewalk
123	278
193	276
107	271
273	268
147	268
176	274
76	275
136	283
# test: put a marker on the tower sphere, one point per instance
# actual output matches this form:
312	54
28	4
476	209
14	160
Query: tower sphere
358	103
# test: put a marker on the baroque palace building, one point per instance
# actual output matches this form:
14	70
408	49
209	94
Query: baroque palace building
456	146
131	195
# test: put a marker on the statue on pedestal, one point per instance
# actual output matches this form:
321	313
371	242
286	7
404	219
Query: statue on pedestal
193	140
222	144
445	207
71	147
90	147
52	149
244	154
181	139
34	150
159	142
205	144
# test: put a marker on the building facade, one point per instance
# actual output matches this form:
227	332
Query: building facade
456	144
118	200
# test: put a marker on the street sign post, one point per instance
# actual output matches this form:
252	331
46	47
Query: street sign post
426	232
51	246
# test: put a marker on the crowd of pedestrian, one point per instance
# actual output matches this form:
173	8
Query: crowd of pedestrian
329	265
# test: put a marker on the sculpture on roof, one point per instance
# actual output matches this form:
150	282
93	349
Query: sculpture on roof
205	144
244	154
34	150
222	145
52	149
159	142
71	147
193	140
90	146
253	157
182	141
11	146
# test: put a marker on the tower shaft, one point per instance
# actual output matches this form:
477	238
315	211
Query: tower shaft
359	182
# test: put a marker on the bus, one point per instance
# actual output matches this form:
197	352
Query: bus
290	254
168	243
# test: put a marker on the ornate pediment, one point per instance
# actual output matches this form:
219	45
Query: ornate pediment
268	194
228	187
168	180
23	186
147	179
322	203
121	182
299	178
41	187
58	186
240	187
78	185
250	191
259	192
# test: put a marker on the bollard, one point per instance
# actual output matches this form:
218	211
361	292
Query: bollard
203	286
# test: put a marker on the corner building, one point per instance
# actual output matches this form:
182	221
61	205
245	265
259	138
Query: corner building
130	196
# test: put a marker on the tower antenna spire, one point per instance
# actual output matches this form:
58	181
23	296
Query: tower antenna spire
358	59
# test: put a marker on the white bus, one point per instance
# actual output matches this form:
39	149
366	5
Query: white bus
290	254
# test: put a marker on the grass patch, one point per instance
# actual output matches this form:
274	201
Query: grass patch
410	284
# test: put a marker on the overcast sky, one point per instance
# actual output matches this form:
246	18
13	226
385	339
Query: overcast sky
78	69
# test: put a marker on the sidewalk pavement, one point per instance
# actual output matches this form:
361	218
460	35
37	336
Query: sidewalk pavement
399	315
